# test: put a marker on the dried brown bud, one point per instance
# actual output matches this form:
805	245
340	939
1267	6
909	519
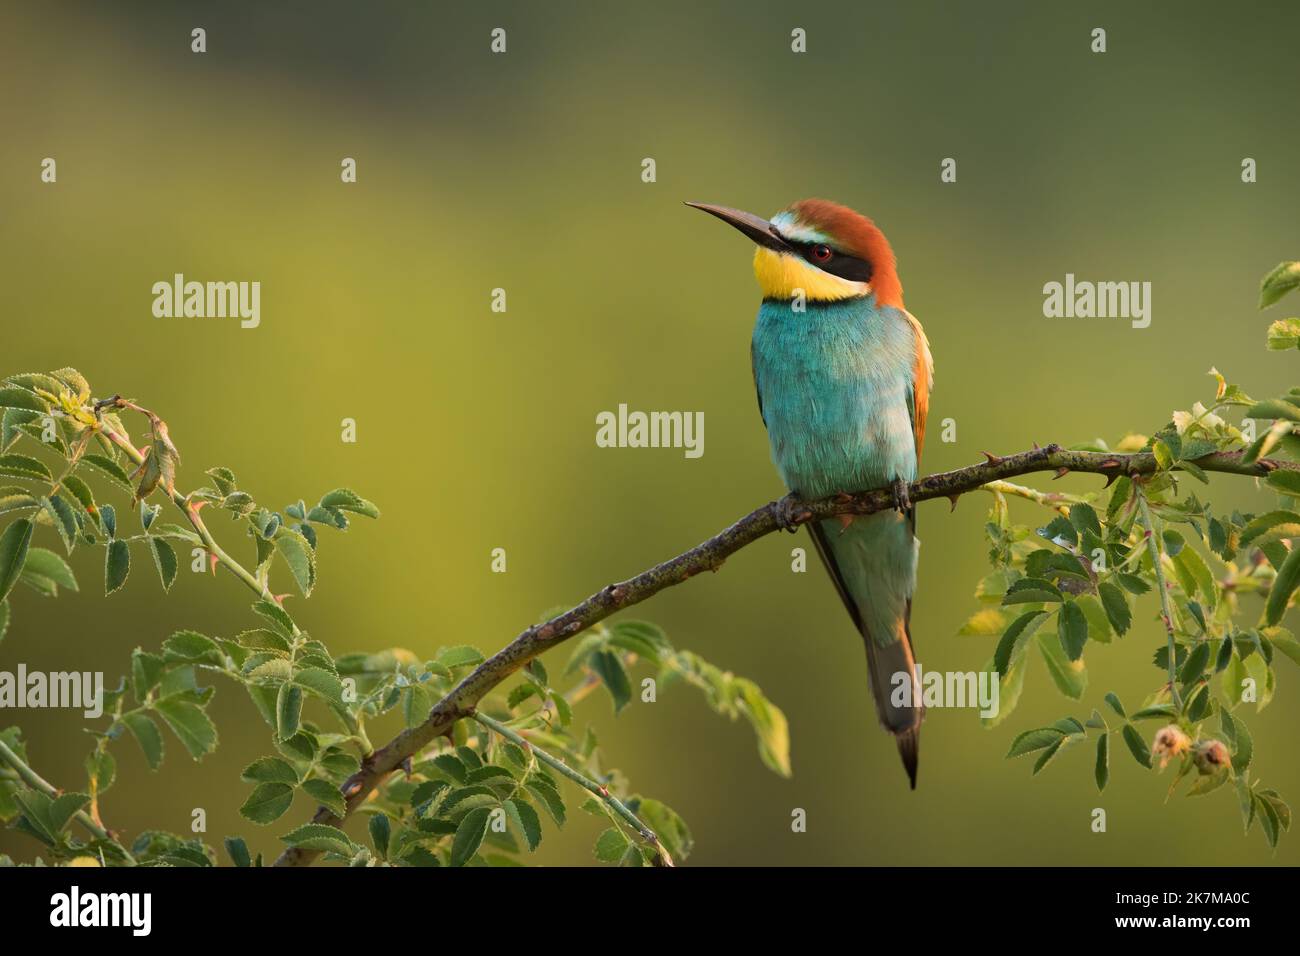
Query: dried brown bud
1210	756
1170	742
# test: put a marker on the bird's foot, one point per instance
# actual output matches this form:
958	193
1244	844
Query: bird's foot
902	499
790	513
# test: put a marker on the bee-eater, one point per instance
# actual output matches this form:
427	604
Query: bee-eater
843	376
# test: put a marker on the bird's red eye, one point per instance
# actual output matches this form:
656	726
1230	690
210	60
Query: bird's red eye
821	253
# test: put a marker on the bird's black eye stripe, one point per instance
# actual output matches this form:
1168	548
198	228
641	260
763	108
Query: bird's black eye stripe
839	264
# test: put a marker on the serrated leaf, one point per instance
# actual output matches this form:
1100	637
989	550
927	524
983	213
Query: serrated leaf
1037	739
1014	639
319	836
270	770
1136	745
1072	630
1280	280
267	803
327	795
609	667
237	849
24	466
14	544
525	818
192	647
469	836
288	710
146	734
1101	771
1070	677
1284	584
47	564
190	723
344	499
300	558
110	468
117	565
164	559
611	845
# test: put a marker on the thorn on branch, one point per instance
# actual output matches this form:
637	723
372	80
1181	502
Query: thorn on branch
954	499
992	458
1060	472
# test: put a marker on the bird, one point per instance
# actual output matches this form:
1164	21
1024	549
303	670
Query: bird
843	373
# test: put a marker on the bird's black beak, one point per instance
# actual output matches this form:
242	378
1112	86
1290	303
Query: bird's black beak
759	230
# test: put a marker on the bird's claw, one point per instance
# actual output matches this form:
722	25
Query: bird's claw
902	499
790	513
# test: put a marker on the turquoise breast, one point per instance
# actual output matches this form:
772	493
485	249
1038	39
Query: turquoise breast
835	383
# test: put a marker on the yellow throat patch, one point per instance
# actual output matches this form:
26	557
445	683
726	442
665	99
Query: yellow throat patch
779	275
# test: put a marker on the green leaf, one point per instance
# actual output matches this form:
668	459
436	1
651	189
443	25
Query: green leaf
13	397
327	795
1019	631
299	556
164	559
1072	630
1037	739
110	468
288	710
609	667
319	836
192	647
1137	746
36	808
1070	677
64	520
1084	518
1284	335
1268	821
238	851
1032	591
1115	704
769	724
270	770
267	802
1116	605
526	820
47	564
1194	666
1102	770
381	834
469	836
117	565
13	553
4	617
22	466
321	682
1192	571
344	499
1244	748
611	845
146	734
671	829
1288	577
277	615
461	656
190	724
548	796
1278	282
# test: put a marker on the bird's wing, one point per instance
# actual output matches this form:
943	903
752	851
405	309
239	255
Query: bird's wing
758	391
922	376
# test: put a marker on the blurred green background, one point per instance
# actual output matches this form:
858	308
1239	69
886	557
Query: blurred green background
476	430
